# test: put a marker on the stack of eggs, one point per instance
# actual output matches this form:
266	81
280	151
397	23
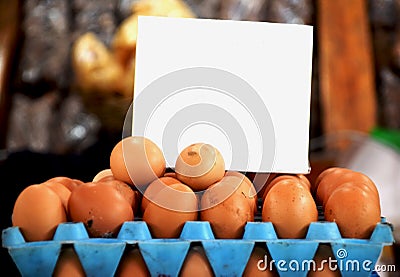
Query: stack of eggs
138	185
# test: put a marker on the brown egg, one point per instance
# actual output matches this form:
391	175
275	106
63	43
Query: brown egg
227	211
251	190
304	180
290	207
357	178
279	178
132	264
199	166
340	176
326	179
67	182
196	263
246	187
155	187
68	264
353	211
102	208
37	212
322	266
322	175
104	175
259	264
171	208
137	161
124	189
62	191
362	185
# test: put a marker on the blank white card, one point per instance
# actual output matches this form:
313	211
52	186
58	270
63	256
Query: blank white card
241	86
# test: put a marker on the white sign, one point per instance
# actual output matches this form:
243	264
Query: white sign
241	86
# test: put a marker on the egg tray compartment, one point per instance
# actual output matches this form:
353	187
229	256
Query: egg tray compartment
165	257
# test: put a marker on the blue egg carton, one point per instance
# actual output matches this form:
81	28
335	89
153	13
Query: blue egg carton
227	257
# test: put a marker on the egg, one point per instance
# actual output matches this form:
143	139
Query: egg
358	178
132	264
68	264
154	188
353	211
362	185
331	180
199	166
69	183
103	175
172	207
290	207
102	209
259	264
62	191
196	263
328	179
227	211
279	178
322	175
37	212
124	189
137	161
304	180
246	187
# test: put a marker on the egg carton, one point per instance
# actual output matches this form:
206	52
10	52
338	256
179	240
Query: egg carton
165	257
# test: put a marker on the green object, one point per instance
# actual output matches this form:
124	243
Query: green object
387	136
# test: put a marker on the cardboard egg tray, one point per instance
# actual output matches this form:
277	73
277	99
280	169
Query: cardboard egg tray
165	257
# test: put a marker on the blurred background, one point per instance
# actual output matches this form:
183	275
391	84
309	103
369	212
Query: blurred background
67	71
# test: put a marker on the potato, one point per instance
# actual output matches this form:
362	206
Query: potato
94	65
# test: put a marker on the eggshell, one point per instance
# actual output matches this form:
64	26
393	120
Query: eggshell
290	207
279	178
338	176
252	191
353	211
323	174
132	264
246	187
199	166
68	264
196	263
362	185
137	161
66	181
227	211
304	180
37	212
62	191
100	207
259	264
103	175
171	208
155	187
124	189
